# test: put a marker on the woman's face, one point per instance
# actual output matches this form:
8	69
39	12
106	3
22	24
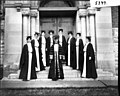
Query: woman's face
36	36
87	40
78	36
43	34
29	40
70	35
51	33
60	32
56	40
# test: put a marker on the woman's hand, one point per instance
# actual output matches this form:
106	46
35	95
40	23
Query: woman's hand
90	58
51	56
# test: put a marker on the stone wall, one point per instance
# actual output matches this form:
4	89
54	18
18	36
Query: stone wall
115	42
115	34
13	35
105	49
1	41
114	11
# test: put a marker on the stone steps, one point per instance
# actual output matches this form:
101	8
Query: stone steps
69	74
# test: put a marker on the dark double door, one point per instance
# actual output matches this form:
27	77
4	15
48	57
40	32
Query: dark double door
56	23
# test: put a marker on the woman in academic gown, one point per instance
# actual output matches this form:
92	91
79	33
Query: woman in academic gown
35	45
48	45
56	55
36	48
42	42
27	62
79	52
63	43
71	51
89	69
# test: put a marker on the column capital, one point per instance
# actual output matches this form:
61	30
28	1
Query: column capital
33	14
83	12
91	11
25	12
18	6
82	7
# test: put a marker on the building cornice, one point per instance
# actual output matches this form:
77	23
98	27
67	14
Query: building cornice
34	7
17	5
82	7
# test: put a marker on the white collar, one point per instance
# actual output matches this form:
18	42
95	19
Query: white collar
29	47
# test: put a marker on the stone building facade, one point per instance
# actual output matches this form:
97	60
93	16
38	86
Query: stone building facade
23	18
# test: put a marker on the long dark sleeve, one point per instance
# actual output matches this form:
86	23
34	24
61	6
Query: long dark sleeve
90	52
73	45
81	46
22	58
64	44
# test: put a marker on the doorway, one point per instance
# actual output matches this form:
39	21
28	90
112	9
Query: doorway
56	23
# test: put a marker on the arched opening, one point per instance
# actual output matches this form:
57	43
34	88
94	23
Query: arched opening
57	3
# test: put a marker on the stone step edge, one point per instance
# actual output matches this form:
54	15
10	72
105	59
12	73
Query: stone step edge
69	79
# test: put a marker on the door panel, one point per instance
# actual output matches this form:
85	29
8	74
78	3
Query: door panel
66	24
48	24
57	23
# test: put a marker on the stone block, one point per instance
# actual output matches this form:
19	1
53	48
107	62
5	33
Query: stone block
13	76
14	67
114	16
11	58
105	50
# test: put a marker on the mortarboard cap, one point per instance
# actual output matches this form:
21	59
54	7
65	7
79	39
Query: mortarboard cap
61	30
42	31
88	37
51	31
36	33
56	37
28	37
70	32
78	34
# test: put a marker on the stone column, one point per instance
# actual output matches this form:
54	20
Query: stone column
78	23
91	12
92	31
88	25
82	14
37	22
26	30
33	15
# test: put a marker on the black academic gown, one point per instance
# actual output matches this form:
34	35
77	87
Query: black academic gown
23	66
64	45
40	55
72	53
48	50
56	68
81	55
90	64
64	48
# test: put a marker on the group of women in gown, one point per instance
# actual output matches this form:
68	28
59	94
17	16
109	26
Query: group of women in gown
55	51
